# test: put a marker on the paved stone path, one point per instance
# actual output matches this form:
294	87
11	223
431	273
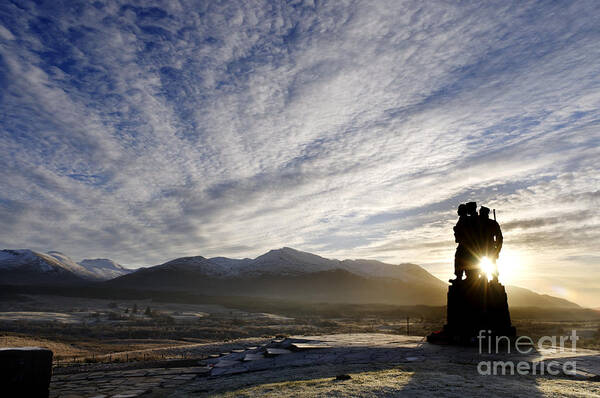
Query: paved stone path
297	352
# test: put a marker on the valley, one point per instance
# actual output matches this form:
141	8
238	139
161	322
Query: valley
83	331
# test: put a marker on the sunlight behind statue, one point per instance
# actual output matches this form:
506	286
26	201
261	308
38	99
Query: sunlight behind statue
478	238
479	301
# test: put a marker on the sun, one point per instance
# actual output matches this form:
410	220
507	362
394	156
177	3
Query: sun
510	264
487	267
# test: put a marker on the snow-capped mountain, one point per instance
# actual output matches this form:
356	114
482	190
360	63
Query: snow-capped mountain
104	268
292	274
372	268
231	266
196	264
289	261
28	266
282	273
28	260
68	263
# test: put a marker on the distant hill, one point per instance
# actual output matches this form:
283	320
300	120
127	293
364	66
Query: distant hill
26	266
518	296
334	286
292	274
283	273
287	273
104	268
29	267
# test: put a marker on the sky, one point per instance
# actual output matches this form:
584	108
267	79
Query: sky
145	131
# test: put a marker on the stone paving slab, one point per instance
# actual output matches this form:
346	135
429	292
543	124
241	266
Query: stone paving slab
309	346
253	357
277	351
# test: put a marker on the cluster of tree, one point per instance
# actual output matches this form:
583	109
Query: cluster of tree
147	312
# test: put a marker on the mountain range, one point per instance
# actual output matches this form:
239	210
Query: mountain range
284	273
30	267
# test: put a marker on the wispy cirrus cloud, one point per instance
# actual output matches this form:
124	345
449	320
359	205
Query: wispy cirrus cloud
145	131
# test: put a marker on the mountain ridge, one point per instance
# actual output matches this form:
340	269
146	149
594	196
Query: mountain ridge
279	273
296	270
22	266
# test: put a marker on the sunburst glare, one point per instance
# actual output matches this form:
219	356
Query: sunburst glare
487	266
509	265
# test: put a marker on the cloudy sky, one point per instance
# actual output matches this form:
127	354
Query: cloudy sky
145	131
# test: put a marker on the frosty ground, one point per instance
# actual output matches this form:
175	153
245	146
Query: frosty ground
361	364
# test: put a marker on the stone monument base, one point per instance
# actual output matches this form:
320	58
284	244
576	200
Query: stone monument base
26	372
476	307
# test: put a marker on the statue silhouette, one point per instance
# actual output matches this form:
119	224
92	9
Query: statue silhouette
472	242
461	254
474	303
490	237
477	236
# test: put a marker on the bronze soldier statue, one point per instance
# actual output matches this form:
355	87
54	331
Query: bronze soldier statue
460	238
467	236
490	237
472	242
476	304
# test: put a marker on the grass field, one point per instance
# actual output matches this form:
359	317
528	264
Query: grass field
102	330
428	380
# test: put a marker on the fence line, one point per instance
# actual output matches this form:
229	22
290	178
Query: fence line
126	356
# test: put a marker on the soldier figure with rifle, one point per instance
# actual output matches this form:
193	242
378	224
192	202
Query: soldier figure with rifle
477	236
491	237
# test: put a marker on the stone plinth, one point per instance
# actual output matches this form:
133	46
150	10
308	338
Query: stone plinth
25	371
474	305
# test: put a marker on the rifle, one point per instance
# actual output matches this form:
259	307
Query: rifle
495	272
